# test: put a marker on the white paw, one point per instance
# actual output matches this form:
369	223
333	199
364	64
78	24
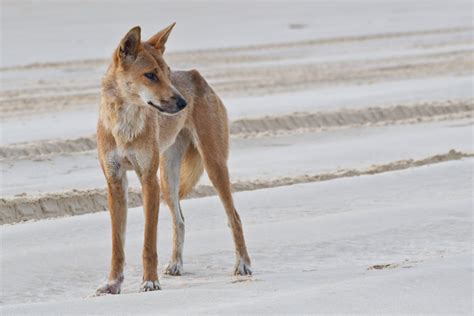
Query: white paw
242	268
174	268
148	286
112	287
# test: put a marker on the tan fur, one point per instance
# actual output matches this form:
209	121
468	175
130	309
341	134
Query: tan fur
192	168
141	127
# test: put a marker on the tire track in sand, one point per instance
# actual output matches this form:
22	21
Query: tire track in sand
274	125
78	202
254	81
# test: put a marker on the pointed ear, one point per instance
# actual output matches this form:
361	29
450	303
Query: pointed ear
159	39
129	45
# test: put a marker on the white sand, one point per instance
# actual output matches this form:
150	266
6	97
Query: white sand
311	246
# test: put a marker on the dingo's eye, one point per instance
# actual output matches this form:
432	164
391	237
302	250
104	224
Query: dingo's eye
151	76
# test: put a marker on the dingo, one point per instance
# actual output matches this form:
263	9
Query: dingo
153	117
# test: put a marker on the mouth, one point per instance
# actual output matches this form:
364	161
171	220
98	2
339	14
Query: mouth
159	108
162	110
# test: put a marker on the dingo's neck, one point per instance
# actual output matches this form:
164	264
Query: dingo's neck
122	117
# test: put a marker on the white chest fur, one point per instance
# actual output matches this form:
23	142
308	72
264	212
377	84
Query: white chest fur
130	122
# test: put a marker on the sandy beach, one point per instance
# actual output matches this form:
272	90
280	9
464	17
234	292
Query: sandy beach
351	158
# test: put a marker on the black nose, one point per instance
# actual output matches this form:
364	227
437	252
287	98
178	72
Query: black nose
181	103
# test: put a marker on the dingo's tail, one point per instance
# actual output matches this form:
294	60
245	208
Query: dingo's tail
191	170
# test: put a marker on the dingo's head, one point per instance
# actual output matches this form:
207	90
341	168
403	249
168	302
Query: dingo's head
142	74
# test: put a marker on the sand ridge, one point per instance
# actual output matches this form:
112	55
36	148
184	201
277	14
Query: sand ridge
76	202
255	81
278	125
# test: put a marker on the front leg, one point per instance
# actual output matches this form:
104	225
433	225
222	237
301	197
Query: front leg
117	202
151	204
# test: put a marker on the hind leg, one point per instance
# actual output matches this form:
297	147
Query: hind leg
215	162
219	176
213	142
212	131
170	177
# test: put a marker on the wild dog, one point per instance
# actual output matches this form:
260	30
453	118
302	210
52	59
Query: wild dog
153	118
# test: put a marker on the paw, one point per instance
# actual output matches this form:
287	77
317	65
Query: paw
242	268
112	287
174	268
148	286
